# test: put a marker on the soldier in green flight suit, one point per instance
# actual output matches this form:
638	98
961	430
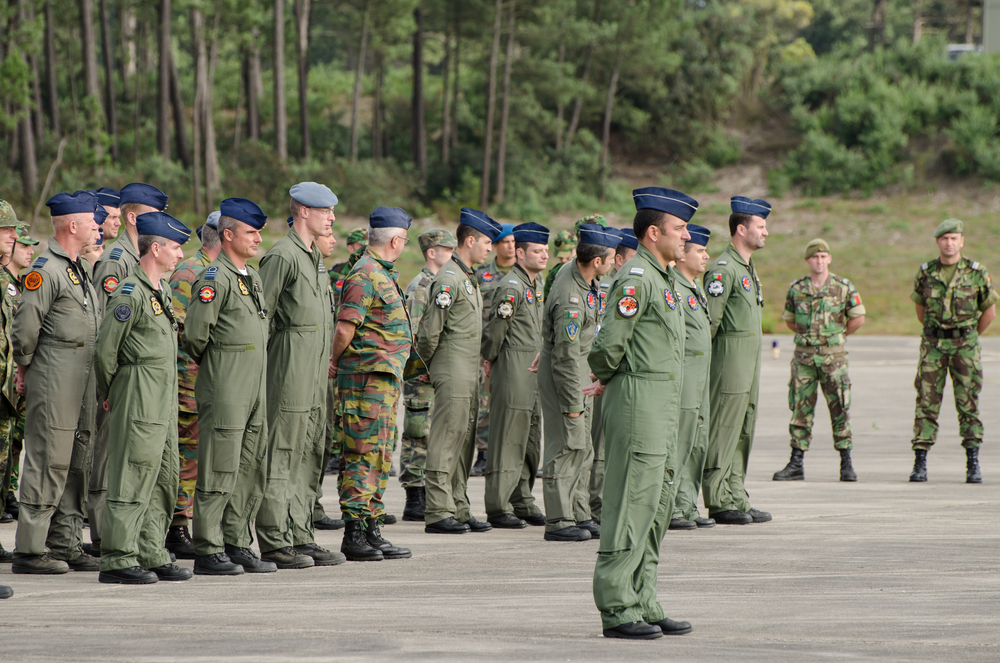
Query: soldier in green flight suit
735	305
511	340
53	337
116	264
225	332
692	438
449	344
136	380
955	302
571	319
9	400
437	245
638	358
300	303
823	310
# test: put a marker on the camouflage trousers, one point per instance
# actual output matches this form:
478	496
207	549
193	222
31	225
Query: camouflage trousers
187	452
418	399
7	423
369	402
16	447
812	371
483	427
939	357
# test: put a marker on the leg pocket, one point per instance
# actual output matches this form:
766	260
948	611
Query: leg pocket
144	446
361	424
224	451
645	478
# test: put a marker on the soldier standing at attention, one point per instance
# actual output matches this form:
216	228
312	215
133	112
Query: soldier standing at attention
370	347
638	357
10	401
488	277
136	380
692	436
735	306
955	302
53	337
511	340
300	305
564	248
449	344
110	199
823	310
571	319
115	266
437	245
225	333
181	282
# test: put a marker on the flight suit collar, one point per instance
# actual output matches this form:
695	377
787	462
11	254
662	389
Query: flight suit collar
126	242
731	250
458	261
229	264
648	256
299	242
523	275
57	249
578	277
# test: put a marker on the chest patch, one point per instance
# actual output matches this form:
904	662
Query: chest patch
468	286
443	299
669	298
206	293
745	282
715	288
110	283
693	302
11	290
529	296
539	296
155	303
123	312
591	300
604	302
488	277
628	306
33	281
243	287
73	278
504	310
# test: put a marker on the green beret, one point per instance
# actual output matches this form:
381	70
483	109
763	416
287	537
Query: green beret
437	237
564	244
358	236
8	219
596	219
816	246
948	226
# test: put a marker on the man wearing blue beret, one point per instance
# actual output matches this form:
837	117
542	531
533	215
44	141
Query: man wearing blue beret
736	305
638	357
225	333
449	344
110	199
511	340
53	337
299	297
692	438
136	381
371	345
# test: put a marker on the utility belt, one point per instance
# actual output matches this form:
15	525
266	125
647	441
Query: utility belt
820	349
957	332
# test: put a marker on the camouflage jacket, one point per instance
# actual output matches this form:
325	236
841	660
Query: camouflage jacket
550	278
489	276
417	298
821	314
372	301
340	271
181	282
9	298
955	304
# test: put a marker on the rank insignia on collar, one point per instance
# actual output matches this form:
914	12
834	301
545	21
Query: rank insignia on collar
73	278
715	288
109	283
628	306
669	297
529	296
155	303
745	281
591	300
693	302
243	287
206	293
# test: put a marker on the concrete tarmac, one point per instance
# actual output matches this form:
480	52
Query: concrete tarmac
881	569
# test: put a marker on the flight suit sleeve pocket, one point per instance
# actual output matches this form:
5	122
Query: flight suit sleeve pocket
146	440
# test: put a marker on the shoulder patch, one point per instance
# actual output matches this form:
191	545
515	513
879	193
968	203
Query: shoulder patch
573	299
636	270
128	288
572	331
116	253
11	290
206	293
504	310
211	273
923	267
39	262
448	271
715	288
628	306
512	281
123	312
443	299
110	283
33	281
975	265
606	284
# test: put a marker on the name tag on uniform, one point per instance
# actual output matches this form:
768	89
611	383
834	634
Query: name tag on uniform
636	270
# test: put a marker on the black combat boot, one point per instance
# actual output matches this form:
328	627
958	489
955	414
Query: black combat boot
919	472
179	542
416	504
479	467
375	540
355	547
794	471
847	472
972	474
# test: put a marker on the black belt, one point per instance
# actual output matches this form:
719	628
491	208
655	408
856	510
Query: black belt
937	332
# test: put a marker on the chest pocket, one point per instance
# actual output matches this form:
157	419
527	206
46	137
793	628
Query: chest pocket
964	299
392	314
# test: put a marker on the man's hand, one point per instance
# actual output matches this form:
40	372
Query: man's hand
332	372
594	389
573	415
19	379
107	406
534	364
487	366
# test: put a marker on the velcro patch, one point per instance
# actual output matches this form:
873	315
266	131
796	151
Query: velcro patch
206	293
443	299
572	330
33	281
123	312
39	262
504	310
116	253
628	306
110	283
628	290
715	288
128	288
637	270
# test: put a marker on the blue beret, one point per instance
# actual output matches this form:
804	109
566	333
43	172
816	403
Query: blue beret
756	207
100	214
162	225
213	219
312	194
108	197
530	232
507	231
389	217
592	233
100	237
480	221
79	202
144	194
629	240
672	202
244	210
699	234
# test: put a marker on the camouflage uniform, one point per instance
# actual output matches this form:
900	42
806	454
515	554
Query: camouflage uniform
489	277
418	395
181	282
950	343
369	377
10	400
9	462
820	316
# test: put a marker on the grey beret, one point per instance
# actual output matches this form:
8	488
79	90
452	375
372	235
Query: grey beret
312	194
213	219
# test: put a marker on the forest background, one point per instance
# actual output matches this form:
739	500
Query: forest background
848	115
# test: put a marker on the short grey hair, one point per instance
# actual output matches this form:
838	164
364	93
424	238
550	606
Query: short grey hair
145	243
210	237
226	223
382	236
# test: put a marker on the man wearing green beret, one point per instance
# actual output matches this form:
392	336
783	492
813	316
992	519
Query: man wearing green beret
10	401
955	302
822	309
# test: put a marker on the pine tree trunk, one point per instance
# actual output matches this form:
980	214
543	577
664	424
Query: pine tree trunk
163	89
109	80
457	68
578	105
356	94
50	69
445	107
418	141
37	120
302	49
255	86
29	166
130	55
505	107
200	73
484	190
878	24
609	105
91	80
212	178
560	107
280	113
378	114
970	23
180	126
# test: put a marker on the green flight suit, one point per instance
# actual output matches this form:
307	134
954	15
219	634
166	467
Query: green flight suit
692	436
639	356
116	264
225	332
735	304
54	332
595	487
299	301
488	276
511	340
134	364
572	314
450	334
